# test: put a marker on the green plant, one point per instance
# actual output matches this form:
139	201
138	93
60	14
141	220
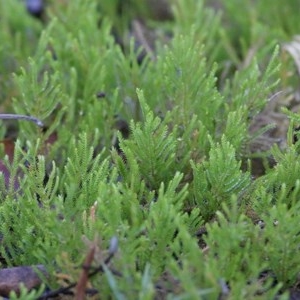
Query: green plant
152	152
214	186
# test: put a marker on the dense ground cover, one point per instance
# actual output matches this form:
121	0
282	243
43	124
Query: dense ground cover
167	166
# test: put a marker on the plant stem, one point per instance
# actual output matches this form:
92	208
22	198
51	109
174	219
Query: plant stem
22	117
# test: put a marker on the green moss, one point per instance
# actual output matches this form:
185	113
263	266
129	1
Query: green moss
153	147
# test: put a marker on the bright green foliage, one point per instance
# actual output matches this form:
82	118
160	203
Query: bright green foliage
247	94
152	148
205	25
190	219
236	128
162	214
281	238
194	281
234	250
285	177
280	185
250	87
19	35
218	178
40	96
192	87
83	174
27	295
